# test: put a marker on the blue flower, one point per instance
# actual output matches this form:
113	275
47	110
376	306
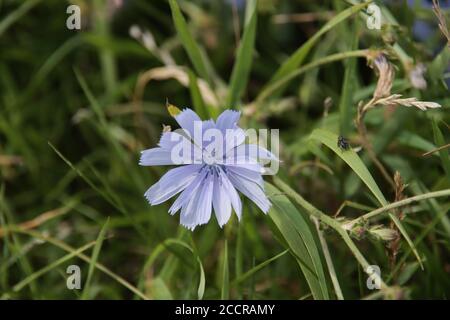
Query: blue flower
210	172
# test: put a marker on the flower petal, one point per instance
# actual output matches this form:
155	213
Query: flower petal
232	193
250	172
198	210
227	120
221	202
252	151
251	190
173	182
187	120
188	193
156	157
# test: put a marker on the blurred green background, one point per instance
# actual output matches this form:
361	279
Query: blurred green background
78	106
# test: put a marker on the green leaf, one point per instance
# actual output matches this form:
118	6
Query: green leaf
159	290
167	244
298	234
300	54
225	293
242	66
258	267
15	15
348	87
439	140
19	286
189	44
353	160
94	258
197	99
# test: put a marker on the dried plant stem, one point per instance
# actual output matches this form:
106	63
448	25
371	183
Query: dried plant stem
362	130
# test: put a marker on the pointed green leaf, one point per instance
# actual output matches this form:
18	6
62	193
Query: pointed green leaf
298	234
354	161
242	66
189	44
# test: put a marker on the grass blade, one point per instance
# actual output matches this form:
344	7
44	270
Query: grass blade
17	14
439	141
94	258
352	159
189	44
348	87
243	64
299	56
196	97
258	267
19	286
225	293
298	234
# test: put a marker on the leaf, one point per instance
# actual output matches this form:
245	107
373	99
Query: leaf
189	44
166	244
94	258
197	100
298	234
348	87
159	290
352	159
19	286
242	66
439	140
15	15
258	267
300	54
225	293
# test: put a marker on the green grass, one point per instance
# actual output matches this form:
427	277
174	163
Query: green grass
76	109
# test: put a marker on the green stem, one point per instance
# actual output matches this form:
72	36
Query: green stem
404	202
328	59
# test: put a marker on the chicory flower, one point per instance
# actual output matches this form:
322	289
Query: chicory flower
214	163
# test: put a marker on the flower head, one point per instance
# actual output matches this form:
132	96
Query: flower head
214	163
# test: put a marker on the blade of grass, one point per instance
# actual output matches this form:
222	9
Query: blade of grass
19	286
197	100
313	211
298	235
243	64
300	54
256	268
189	44
17	14
273	87
352	159
348	87
94	258
165	246
60	244
225	292
329	261
443	154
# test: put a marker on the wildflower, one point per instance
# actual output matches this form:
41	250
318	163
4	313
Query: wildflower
210	172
